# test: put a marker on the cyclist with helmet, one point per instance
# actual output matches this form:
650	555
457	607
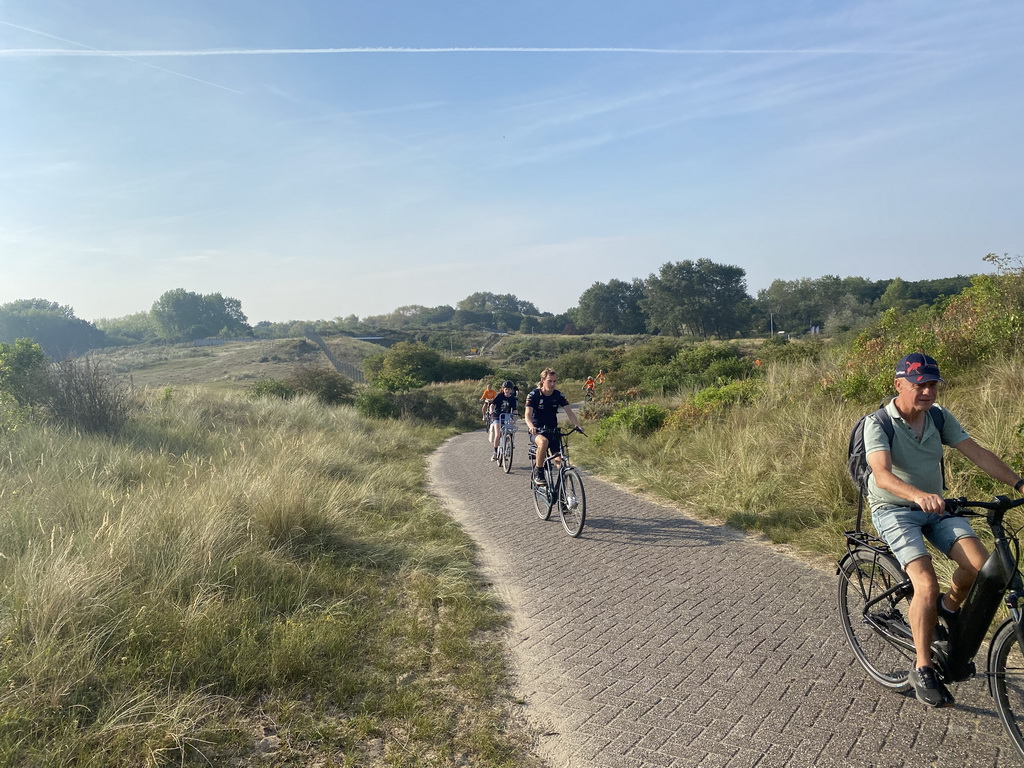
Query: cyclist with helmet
504	402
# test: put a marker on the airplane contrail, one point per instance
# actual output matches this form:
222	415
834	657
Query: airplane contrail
38	52
90	51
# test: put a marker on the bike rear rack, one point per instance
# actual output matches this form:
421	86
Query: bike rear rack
855	539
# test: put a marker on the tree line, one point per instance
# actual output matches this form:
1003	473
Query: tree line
698	298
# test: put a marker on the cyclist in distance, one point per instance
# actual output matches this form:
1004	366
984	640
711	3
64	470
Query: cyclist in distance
909	471
486	398
588	386
541	418
504	402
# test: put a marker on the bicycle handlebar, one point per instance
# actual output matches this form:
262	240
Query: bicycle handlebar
561	432
997	508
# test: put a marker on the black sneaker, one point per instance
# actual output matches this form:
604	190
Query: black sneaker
929	689
538	478
947	615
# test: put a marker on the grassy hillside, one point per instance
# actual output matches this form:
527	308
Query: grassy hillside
231	366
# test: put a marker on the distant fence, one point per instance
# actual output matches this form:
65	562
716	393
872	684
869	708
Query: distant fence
347	369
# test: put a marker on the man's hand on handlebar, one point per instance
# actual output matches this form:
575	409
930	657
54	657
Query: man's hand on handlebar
930	502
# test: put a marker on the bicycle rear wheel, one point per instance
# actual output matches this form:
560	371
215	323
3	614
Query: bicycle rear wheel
870	620
541	500
1006	667
507	449
572	502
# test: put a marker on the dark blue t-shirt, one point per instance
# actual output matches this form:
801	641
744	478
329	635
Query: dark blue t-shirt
503	404
545	407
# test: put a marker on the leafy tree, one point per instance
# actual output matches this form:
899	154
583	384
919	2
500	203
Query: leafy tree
612	307
130	329
698	297
485	302
530	324
186	315
53	326
839	304
897	296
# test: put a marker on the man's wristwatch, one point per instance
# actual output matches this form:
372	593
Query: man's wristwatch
1019	484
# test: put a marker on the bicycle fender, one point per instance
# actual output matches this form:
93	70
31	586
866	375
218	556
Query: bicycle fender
840	570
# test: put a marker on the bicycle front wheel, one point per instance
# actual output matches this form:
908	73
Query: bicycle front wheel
873	607
1006	667
507	449
572	502
541	500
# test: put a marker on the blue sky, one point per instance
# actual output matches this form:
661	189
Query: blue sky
320	159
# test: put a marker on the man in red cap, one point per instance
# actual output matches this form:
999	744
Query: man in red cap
908	471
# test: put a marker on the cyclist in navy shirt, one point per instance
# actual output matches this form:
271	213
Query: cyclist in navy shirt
542	406
505	402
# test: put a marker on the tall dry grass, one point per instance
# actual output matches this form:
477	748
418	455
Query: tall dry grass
230	570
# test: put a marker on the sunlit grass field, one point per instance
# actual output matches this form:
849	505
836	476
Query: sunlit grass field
234	582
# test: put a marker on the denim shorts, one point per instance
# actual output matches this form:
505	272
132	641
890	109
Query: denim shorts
905	530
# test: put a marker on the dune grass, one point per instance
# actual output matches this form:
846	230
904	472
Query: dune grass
234	578
777	465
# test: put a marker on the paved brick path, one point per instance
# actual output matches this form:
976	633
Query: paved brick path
656	640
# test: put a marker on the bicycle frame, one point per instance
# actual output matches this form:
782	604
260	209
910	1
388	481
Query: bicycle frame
555	464
998	578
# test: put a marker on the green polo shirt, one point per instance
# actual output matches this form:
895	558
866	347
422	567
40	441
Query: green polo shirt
917	462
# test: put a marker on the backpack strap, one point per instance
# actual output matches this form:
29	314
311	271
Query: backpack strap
939	420
885	422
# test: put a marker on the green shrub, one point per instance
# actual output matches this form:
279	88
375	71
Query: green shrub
12	415
271	388
458	369
377	404
326	384
428	406
517	375
577	364
778	349
723	370
409	366
23	371
85	396
640	419
712	398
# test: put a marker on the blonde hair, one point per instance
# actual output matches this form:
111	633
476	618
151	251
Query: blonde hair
544	374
